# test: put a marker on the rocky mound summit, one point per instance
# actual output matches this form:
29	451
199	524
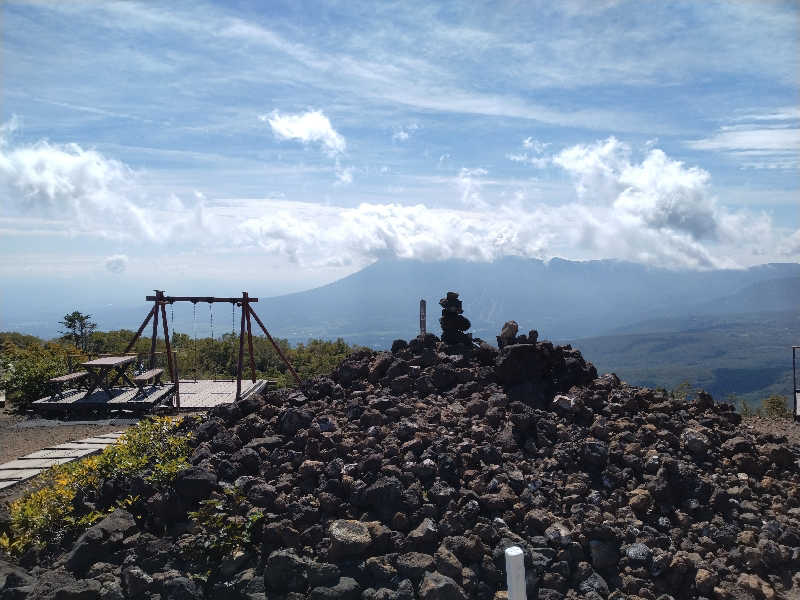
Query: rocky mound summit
406	474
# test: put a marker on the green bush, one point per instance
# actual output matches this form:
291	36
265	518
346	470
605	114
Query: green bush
51	512
224	525
776	407
26	370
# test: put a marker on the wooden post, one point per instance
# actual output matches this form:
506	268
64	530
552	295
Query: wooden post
250	339
159	294
141	329
241	349
172	371
277	348
422	318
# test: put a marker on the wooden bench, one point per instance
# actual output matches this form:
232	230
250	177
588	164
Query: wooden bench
63	380
143	378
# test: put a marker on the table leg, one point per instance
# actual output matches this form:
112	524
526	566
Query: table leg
96	377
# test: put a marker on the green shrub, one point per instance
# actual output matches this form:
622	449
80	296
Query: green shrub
26	370
224	525
776	407
56	509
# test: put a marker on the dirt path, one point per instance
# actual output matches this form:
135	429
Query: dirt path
17	439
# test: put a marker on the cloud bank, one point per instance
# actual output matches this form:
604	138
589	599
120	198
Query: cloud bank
653	210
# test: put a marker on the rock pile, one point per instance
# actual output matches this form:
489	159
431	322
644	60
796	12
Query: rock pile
406	474
453	322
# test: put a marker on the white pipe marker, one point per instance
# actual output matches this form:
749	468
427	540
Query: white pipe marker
515	573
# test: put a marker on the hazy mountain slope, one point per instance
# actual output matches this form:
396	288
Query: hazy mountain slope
746	354
560	298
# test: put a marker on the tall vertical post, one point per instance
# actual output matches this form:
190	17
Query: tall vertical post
159	294
241	349
515	573
172	371
246	309
422	318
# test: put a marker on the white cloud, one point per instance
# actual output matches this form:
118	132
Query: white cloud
402	134
311	126
87	192
655	210
344	175
769	140
534	159
469	185
117	263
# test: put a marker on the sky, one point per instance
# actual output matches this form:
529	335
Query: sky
209	148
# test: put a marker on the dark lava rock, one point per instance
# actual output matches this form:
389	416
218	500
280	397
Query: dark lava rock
195	483
101	540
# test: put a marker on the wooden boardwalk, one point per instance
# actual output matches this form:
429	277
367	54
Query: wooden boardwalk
32	464
206	393
73	401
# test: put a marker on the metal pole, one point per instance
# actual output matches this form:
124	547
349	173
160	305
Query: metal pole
277	348
422	318
241	349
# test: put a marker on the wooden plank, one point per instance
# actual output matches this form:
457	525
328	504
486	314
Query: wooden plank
109	361
71	453
33	463
95	440
68	377
74	446
7	484
18	474
147	375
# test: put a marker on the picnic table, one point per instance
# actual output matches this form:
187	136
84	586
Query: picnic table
99	368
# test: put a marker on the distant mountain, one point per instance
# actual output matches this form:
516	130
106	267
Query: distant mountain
562	299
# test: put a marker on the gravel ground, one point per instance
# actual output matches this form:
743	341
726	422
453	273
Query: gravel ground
785	427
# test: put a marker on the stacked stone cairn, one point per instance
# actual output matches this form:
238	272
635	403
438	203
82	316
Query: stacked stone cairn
454	323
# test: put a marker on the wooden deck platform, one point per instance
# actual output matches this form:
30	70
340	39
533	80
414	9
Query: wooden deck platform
123	398
194	395
206	393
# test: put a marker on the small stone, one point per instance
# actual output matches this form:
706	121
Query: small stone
436	586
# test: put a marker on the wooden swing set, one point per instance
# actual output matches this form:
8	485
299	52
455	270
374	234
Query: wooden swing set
160	301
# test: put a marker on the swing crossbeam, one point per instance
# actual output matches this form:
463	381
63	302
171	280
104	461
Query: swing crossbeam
209	299
160	300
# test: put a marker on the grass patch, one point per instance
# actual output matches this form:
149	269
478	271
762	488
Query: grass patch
63	502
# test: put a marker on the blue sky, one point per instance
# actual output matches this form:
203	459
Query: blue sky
210	148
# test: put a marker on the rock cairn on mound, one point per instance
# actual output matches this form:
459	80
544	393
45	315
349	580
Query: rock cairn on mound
454	323
405	475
